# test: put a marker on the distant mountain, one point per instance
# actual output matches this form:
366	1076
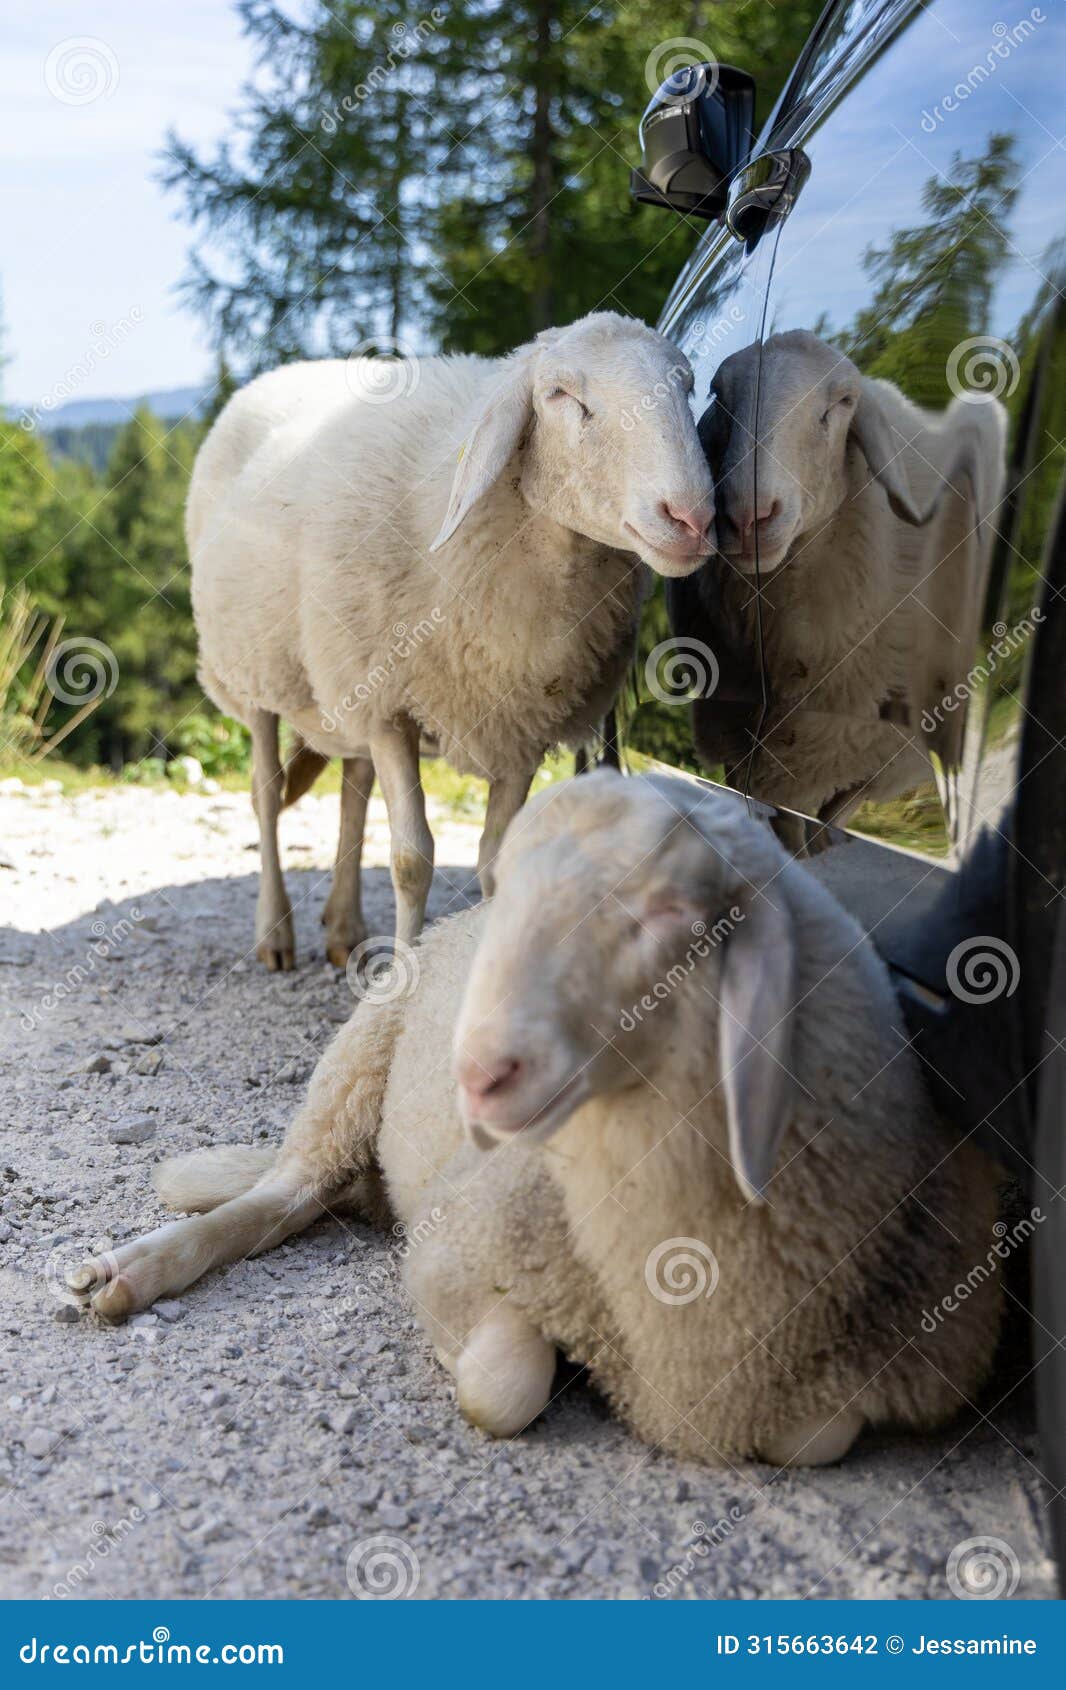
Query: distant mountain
170	404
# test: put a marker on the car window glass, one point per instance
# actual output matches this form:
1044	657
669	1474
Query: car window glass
851	34
884	474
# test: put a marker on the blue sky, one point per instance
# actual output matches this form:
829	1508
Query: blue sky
89	237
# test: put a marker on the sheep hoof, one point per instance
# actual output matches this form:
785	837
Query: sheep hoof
98	1281
117	1300
279	959
342	939
82	1280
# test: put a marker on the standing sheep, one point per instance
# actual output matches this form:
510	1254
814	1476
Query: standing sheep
874	529
713	1175
465	561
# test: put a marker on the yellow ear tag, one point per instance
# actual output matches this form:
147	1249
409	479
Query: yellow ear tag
462	449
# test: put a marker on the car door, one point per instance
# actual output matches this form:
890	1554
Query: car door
925	246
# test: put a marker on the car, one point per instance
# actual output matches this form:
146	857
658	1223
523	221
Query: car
899	217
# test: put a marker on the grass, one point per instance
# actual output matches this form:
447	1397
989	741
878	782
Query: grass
464	796
914	821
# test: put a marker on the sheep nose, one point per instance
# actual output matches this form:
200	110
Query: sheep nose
486	1078
695	521
750	518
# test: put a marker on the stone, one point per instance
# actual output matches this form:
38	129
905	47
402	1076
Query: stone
135	1129
41	1441
393	1518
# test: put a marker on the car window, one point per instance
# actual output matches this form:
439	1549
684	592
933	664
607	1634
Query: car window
847	38
882	488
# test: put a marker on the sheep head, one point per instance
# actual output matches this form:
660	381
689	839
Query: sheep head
633	920
608	442
812	405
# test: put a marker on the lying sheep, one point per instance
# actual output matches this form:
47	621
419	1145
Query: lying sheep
683	1059
874	531
313	512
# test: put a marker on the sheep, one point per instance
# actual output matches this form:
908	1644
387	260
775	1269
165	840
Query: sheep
874	528
465	561
690	1147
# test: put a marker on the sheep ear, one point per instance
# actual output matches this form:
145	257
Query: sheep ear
485	455
872	435
755	1040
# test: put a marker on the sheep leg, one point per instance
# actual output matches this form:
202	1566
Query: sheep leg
506	797
164	1262
343	914
815	1442
394	752
504	1372
502	1365
274	942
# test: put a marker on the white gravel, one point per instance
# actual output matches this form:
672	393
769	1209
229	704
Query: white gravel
243	1439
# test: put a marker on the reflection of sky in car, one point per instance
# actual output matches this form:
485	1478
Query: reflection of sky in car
872	157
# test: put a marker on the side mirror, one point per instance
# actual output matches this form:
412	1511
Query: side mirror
698	129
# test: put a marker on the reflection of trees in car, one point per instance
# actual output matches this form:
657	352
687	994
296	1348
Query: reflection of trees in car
935	279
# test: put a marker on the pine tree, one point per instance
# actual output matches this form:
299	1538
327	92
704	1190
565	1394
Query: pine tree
320	199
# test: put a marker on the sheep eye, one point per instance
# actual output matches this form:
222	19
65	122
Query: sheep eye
845	402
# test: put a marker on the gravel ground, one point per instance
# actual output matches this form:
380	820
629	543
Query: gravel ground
251	1437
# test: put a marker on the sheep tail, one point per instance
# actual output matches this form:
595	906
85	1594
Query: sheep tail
302	768
205	1178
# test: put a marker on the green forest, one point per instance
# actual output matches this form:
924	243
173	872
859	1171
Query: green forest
451	181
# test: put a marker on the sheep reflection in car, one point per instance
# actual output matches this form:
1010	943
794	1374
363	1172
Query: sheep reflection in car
853	542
